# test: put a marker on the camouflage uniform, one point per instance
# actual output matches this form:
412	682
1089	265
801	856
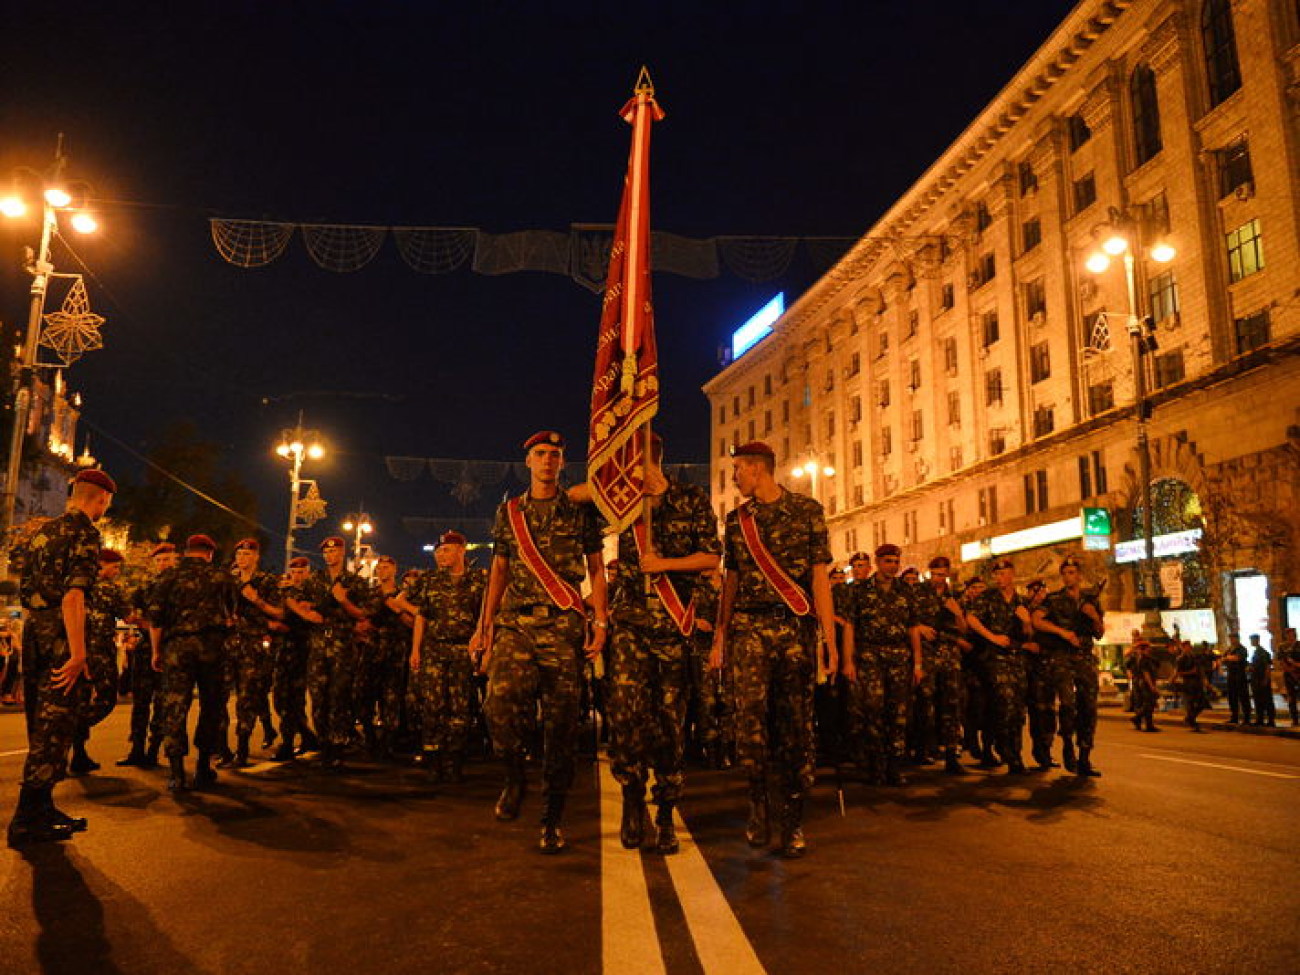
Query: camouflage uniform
192	605
332	657
649	655
710	708
537	648
450	607
146	683
250	651
1006	667
1191	685
881	616
62	555
289	674
1237	665
385	673
773	652
1142	672
106	605
938	702
1071	671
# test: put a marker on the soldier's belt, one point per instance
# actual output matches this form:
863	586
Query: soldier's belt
539	611
773	611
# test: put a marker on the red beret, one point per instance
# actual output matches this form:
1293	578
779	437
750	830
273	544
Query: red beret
299	562
200	541
249	543
452	537
859	557
755	448
549	437
889	548
334	541
940	562
108	557
386	558
162	548
93	475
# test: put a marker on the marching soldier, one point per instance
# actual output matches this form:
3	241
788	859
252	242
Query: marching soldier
289	678
332	600
1192	679
533	628
146	683
1143	670
62	561
885	663
1000	622
938	623
386	671
106	606
1040	700
776	594
654	617
250	647
977	725
189	619
710	691
446	602
1068	622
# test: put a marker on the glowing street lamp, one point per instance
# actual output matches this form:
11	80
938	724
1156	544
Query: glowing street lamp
813	470
359	526
296	445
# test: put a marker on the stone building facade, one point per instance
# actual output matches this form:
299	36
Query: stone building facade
972	384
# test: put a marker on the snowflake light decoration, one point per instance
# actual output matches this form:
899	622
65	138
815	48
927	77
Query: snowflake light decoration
73	330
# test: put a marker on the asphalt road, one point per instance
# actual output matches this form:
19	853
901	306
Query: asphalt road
1182	857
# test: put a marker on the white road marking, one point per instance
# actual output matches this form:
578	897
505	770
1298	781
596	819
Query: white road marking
629	942
16	751
1230	768
719	939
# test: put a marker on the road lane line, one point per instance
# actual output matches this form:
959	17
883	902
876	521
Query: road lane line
629	942
720	941
1230	768
16	751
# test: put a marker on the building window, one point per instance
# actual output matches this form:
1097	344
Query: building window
997	441
1036	492
785	411
1234	167
1252	331
767	421
918	426
1155	216
1163	292
735	405
855	409
767	385
857	453
954	458
913	323
752	434
1044	421
882	398
989	328
1040	362
983	219
1085	192
750	397
886	440
882	346
722	446
830	379
1031	234
1146	113
859	498
946	299
1035	298
988	498
1085	479
1028	178
946	522
909	527
1101	397
855	364
954	409
914	375
1245	251
722	482
1169	368
1221	67
985	270
950	356
722	413
1077	131
993	387
830	424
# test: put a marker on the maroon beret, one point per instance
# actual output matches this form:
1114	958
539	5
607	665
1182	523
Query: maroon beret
940	562
859	557
548	437
386	558
108	557
755	448
200	541
1036	585
162	548
1003	563
452	537
249	543
93	475
299	562
889	548
334	541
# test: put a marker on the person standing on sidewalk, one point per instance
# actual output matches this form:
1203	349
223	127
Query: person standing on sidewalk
1288	655
1236	663
1261	683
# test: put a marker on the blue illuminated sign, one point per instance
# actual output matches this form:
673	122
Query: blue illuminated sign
758	327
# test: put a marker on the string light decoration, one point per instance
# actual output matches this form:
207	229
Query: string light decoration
73	330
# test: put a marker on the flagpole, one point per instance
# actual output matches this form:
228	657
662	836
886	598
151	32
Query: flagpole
644	91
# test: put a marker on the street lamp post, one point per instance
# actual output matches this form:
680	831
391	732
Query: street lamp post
1122	240
295	445
813	470
54	198
360	526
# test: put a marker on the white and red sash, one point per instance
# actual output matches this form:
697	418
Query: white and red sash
777	577
562	593
683	615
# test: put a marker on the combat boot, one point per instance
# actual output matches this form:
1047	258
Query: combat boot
32	822
57	816
988	755
176	782
1085	764
552	840
793	845
269	734
308	742
204	774
1137	722
1016	765
758	830
151	755
1042	752
1067	755
81	763
512	795
950	763
1150	724
135	758
285	752
241	752
631	832
665	832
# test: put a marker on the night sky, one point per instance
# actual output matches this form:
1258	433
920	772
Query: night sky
782	119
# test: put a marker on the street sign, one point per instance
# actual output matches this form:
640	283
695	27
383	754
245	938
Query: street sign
1096	522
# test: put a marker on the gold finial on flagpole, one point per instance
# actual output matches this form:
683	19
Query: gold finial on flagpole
643	83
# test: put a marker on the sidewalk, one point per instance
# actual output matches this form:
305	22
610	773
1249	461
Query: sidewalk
1213	719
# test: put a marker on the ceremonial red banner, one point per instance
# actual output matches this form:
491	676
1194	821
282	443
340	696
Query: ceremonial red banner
562	594
683	614
625	391
789	590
